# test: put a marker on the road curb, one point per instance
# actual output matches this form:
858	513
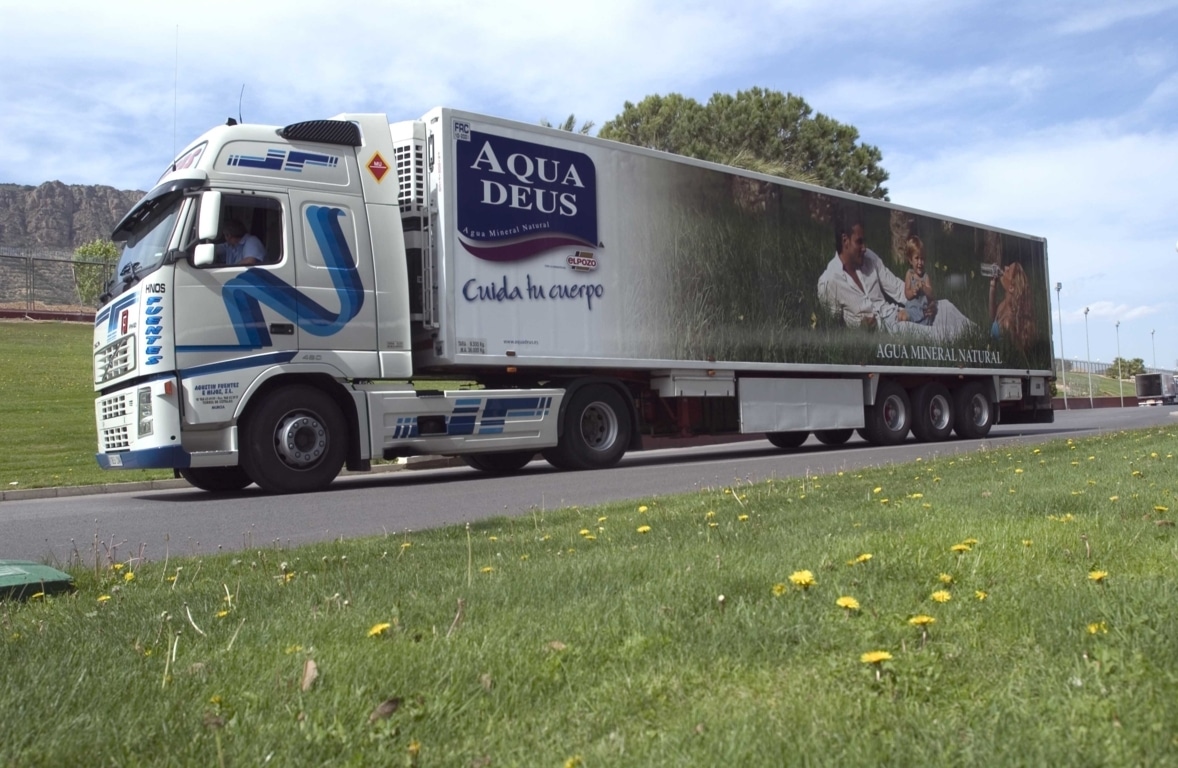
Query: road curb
66	491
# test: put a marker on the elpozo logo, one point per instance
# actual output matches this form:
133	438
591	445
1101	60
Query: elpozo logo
582	261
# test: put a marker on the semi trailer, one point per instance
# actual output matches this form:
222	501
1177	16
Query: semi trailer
293	300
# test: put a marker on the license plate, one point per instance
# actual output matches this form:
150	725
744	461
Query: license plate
116	460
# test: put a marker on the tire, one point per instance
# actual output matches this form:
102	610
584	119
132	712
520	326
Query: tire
834	436
216	479
596	430
787	439
499	463
974	413
932	413
294	440
891	416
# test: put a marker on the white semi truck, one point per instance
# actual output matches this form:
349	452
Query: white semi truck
581	294
1156	388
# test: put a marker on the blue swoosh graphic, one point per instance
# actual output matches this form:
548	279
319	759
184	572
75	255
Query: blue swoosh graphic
245	294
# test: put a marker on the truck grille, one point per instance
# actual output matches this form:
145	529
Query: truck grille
114	360
114	418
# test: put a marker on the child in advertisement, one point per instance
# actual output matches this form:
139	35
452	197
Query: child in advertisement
918	288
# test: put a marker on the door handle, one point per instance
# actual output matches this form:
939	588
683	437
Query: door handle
282	329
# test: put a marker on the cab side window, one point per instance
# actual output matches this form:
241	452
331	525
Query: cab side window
251	231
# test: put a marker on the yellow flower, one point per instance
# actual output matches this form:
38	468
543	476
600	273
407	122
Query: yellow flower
876	489
981	594
642	508
945	578
969	542
742	518
1097	576
711	513
875	657
713	525
103	598
128	576
601	519
116	567
36	595
406	544
921	620
1027	542
802	579
1160	508
961	548
1114	498
583	532
644	529
850	603
1098	627
492	538
941	596
863	558
1019	471
486	569
379	629
590	537
574	762
222	614
778	589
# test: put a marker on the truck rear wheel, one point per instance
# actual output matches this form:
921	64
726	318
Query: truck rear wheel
889	419
499	463
294	440
974	413
833	436
596	430
787	439
216	479
932	413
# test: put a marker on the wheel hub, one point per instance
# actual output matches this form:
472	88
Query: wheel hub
301	440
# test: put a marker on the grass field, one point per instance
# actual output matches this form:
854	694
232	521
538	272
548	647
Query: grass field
1006	607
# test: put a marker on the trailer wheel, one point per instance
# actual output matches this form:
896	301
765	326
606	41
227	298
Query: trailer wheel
834	436
596	430
889	419
787	439
216	479
932	413
499	463
294	440
974	413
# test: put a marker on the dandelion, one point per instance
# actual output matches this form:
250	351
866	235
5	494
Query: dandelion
486	569
743	518
875	657
850	603
941	596
713	525
583	532
1160	508
406	544
778	589
960	549
876	489
802	579
863	558
128	577
492	538
574	762
601	519
1027	542
981	594
644	529
222	614
116	567
37	596
945	578
1098	628
642	509
1114	498
1097	576
711	513
921	620
1019	471
379	629
103	598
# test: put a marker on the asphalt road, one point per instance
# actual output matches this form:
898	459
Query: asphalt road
186	521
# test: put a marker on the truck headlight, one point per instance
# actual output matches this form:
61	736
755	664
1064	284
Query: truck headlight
146	425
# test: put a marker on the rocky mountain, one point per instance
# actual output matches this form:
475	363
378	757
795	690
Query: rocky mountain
56	215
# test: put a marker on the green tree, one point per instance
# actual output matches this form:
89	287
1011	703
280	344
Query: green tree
763	130
1128	368
94	263
570	124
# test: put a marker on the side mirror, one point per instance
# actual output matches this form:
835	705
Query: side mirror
204	255
209	224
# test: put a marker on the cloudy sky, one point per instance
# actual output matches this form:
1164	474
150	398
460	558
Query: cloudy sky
1056	118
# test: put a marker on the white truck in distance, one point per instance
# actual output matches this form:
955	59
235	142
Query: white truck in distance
1156	388
281	288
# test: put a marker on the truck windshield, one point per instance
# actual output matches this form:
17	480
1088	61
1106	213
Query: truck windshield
146	244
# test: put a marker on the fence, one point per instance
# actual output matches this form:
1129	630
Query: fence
44	283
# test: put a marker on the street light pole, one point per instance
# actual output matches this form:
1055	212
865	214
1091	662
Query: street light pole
1063	367
1155	350
1088	356
1120	376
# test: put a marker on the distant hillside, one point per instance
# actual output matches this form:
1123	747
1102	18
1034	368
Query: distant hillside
56	215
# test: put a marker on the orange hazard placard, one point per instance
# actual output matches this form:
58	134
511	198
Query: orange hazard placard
378	167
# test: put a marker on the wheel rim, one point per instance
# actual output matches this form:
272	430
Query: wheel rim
301	440
940	413
979	409
599	426
894	417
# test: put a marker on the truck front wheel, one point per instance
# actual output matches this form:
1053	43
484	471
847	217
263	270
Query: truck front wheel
216	479
294	440
596	430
